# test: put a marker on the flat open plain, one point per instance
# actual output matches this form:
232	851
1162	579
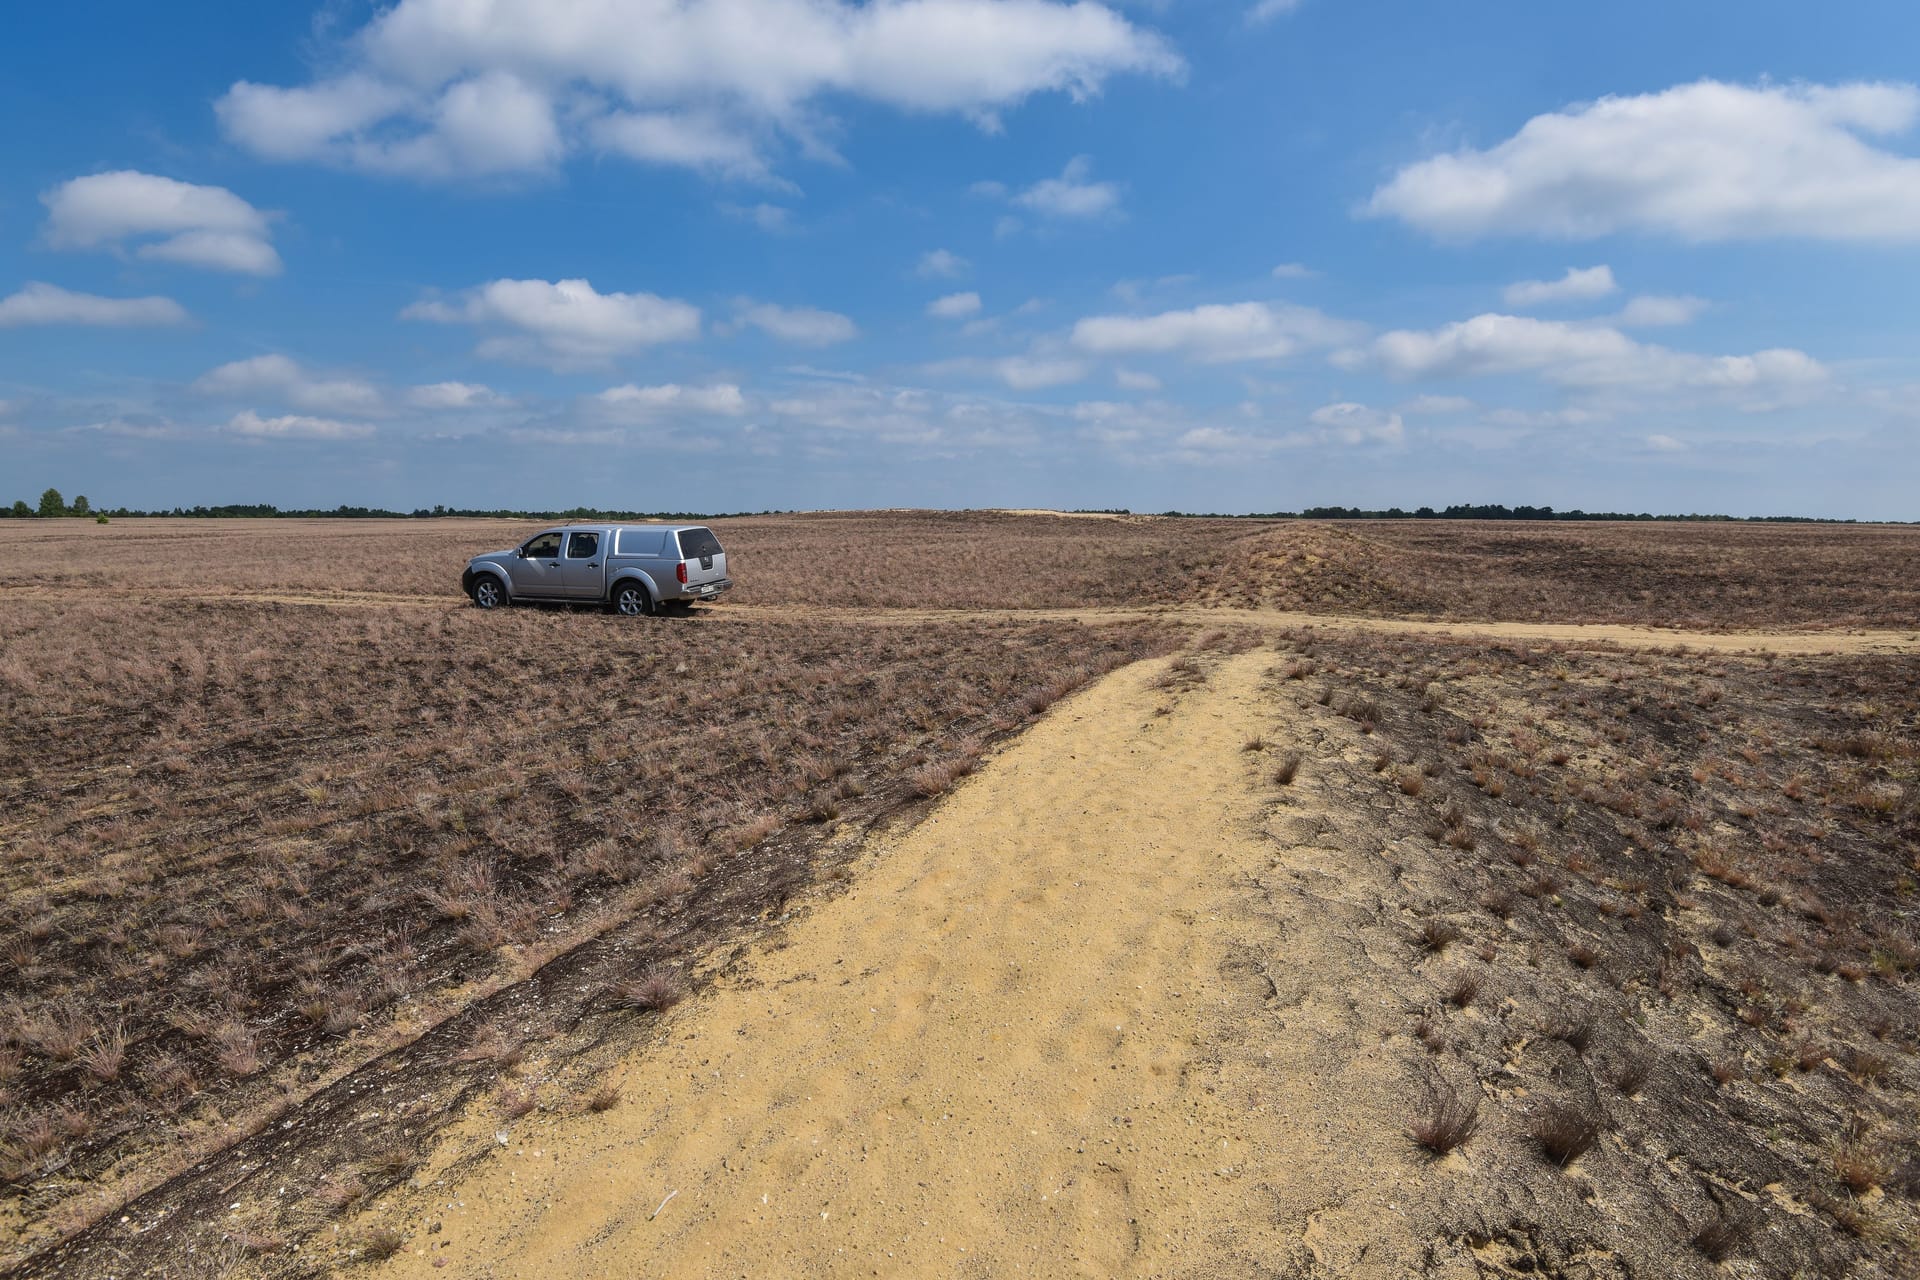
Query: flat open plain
1027	896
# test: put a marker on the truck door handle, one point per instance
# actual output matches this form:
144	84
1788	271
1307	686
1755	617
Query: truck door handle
593	564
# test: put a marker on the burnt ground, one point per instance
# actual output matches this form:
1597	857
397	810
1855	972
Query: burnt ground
1659	903
258	857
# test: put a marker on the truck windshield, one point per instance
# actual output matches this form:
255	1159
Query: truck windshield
696	544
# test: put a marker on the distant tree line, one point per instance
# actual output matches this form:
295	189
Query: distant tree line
52	504
1498	511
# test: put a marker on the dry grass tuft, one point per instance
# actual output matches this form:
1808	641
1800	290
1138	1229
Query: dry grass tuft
1563	1132
653	991
1446	1120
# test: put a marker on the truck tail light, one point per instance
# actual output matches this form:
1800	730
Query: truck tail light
681	573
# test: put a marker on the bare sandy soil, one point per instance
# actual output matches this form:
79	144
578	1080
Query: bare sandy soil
1027	1040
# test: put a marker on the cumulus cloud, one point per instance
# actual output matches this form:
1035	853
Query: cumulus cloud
453	395
1588	356
1705	161
1438	404
1033	373
955	306
1071	195
771	218
1268	10
1353	424
563	322
1215	333
720	397
251	425
41	304
1580	284
802	326
172	221
940	264
1651	311
283	377
692	140
448	88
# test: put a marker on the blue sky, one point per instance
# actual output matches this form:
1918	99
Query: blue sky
741	254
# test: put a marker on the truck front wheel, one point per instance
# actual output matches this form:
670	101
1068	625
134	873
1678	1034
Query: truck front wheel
488	593
630	600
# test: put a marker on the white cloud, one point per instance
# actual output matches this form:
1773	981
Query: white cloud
955	306
295	427
38	304
1224	445
1072	194
307	123
1294	271
1353	424
939	264
198	226
453	395
803	326
771	218
1134	380
692	140
1548	418
281	376
564	322
1032	373
1579	284
1437	404
720	397
1581	356
1704	161
1268	10
443	88
1214	333
1665	444
1651	311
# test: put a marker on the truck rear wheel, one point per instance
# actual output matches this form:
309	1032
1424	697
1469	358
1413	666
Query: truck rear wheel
488	592
632	600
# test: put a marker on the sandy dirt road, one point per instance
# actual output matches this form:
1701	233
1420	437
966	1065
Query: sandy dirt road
1027	1040
1795	642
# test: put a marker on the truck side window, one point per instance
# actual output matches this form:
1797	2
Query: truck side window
582	546
544	547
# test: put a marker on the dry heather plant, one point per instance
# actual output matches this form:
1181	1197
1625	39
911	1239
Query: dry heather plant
1706	840
1447	1118
319	817
1563	1131
654	991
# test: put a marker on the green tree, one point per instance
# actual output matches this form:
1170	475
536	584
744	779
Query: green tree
21	509
79	507
52	504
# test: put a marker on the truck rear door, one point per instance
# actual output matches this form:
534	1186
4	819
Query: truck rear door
702	557
582	570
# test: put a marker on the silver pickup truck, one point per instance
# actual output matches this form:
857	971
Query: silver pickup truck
634	569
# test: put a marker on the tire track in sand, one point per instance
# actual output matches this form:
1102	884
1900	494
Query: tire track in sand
1026	1040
